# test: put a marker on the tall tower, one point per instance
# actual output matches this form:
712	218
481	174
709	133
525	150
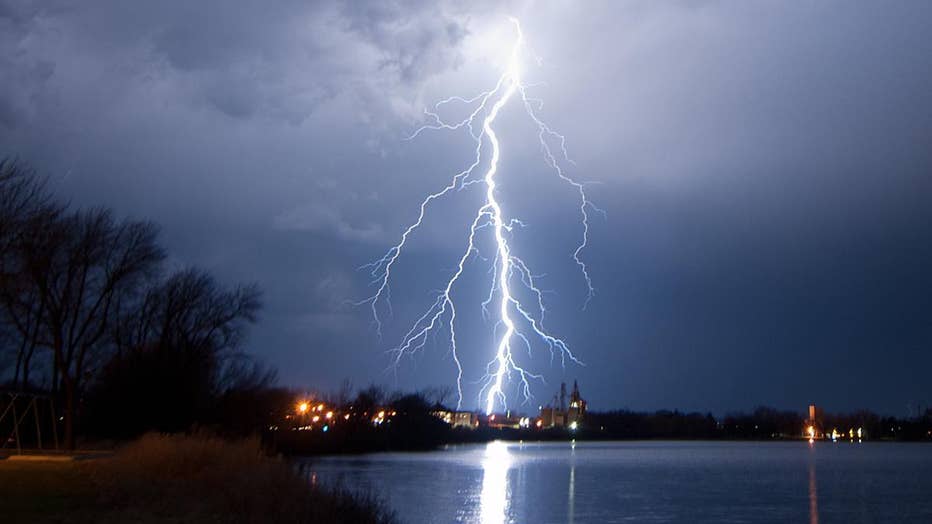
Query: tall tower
562	396
577	409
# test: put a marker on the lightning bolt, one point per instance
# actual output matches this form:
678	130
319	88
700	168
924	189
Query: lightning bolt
515	320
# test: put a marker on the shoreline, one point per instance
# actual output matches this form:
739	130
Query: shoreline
313	447
175	478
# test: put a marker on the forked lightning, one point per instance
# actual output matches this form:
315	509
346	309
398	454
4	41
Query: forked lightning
515	321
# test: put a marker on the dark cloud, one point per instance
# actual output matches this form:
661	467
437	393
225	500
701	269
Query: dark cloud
764	168
410	46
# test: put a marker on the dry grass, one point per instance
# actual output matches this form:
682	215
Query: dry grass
161	479
36	492
213	480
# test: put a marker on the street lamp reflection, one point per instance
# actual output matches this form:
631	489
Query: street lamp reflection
495	496
571	504
813	493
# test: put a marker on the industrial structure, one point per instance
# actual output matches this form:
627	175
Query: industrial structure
558	414
814	428
563	412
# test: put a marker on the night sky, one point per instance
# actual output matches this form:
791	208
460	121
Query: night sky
765	168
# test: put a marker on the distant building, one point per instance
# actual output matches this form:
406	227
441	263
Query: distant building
465	419
559	415
506	420
457	419
443	414
814	428
577	409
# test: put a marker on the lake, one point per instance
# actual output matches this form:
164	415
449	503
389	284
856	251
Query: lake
646	482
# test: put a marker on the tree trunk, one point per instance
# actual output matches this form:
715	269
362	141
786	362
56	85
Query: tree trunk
55	379
19	363
26	363
33	343
70	412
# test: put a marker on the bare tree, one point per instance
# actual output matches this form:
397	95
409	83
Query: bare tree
23	312
75	286
438	394
189	310
25	205
178	351
370	398
344	394
22	196
82	266
245	373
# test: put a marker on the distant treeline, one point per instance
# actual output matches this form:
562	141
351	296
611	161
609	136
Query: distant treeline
764	423
415	427
117	341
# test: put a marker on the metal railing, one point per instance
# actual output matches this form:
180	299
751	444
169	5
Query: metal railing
15	407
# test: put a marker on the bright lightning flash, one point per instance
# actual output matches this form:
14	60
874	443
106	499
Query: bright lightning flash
515	321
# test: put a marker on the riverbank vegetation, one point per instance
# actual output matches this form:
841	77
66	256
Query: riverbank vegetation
114	339
174	478
375	421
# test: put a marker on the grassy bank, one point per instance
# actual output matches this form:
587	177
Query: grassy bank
42	491
161	479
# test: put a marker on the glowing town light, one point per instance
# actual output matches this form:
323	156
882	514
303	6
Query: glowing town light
514	319
303	407
573	425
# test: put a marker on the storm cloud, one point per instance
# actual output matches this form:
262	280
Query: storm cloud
765	170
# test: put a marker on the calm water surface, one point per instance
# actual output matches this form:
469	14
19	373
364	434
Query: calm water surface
647	482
